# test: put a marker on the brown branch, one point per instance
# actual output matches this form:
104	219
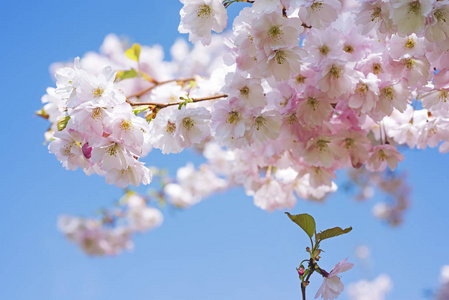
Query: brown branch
305	283
156	83
162	105
305	25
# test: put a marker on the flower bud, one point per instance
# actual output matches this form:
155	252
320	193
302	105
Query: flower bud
316	254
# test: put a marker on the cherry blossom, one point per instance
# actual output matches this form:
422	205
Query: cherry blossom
332	285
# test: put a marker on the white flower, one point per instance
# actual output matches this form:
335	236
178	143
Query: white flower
248	90
199	17
284	62
274	194
67	146
319	13
193	185
163	130
265	126
193	125
410	15
438	30
133	174
332	286
273	31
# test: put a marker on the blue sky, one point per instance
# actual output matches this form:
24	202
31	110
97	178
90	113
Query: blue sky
223	248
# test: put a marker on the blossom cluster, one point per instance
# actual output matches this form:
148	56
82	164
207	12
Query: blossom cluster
362	82
298	90
98	130
112	234
391	185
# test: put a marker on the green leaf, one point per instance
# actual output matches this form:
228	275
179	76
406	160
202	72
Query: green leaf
133	52
140	108
126	74
62	123
147	77
42	113
192	84
185	101
332	232
305	221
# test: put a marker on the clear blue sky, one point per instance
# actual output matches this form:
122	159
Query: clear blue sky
224	248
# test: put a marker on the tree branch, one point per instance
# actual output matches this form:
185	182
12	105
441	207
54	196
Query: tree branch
163	105
156	84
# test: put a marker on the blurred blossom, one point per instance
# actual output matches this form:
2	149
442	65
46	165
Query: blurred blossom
363	252
371	290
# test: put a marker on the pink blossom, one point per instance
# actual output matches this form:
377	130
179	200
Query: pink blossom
383	156
332	286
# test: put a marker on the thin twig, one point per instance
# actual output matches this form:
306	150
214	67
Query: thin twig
158	84
306	281
162	105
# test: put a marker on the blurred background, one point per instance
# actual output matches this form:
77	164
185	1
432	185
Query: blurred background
222	248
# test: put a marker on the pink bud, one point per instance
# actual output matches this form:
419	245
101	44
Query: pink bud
301	271
87	151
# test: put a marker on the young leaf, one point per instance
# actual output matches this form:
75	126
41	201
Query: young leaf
332	232
305	221
126	74
133	52
147	77
140	108
62	123
42	113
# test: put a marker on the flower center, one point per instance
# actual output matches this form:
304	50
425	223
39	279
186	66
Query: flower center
204	11
440	15
313	103
280	57
362	88
349	143
410	44
260	122
382	155
171	127
375	14
335	71
377	68
292	119
188	123
98	92
300	79
348	49
67	150
321	145
316	6
233	117
126	125
443	95
275	32
244	91
324	50
97	113
414	8
112	150
410	63
388	92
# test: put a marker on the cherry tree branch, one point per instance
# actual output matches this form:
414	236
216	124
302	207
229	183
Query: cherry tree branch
163	105
227	3
156	84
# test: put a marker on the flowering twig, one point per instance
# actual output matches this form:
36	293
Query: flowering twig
227	3
156	84
162	105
